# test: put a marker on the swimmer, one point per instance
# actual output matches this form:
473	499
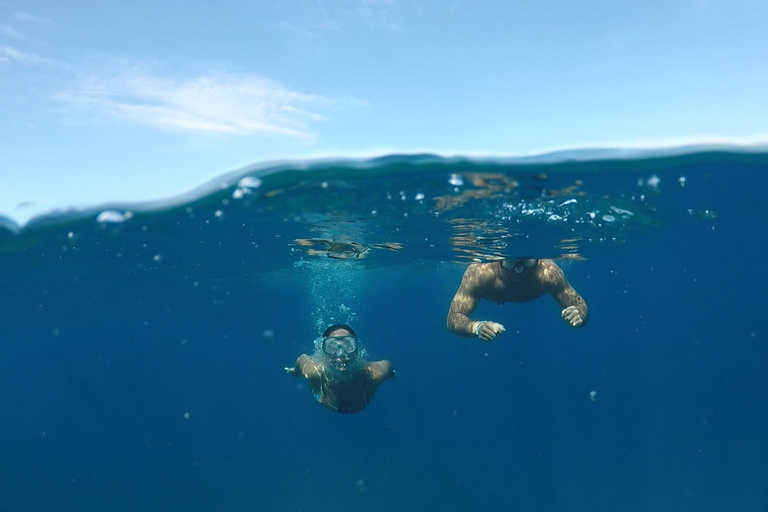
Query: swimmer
340	377
513	280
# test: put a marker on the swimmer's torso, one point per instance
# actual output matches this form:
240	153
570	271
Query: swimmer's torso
495	286
349	395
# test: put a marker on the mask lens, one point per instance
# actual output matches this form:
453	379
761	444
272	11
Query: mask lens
333	345
519	265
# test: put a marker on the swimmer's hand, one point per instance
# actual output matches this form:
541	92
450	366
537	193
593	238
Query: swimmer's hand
486	331
572	315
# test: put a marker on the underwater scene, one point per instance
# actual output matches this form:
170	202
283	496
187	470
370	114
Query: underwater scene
150	353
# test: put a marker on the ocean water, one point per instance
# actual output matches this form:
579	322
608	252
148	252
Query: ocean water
142	346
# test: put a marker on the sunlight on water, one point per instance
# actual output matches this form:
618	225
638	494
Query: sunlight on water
412	207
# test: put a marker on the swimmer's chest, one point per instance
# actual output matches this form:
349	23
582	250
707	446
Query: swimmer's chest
349	393
502	292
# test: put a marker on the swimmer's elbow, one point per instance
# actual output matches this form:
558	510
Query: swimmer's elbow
451	322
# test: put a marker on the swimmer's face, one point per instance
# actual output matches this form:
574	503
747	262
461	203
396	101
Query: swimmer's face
518	268
341	360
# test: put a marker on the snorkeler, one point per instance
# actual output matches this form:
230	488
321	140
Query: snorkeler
512	280
341	378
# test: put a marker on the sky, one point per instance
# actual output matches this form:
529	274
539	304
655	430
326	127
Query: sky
121	101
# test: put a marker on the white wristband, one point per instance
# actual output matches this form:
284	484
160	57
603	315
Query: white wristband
477	327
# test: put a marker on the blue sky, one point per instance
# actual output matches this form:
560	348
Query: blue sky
129	101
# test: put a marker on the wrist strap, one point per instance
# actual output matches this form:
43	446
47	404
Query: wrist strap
477	327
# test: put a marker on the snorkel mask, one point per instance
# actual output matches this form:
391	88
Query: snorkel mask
519	265
336	346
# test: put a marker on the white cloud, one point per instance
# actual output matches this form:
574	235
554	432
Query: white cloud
384	13
315	17
12	32
310	29
7	53
221	103
31	18
390	14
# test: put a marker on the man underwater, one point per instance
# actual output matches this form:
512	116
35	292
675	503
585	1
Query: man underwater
512	280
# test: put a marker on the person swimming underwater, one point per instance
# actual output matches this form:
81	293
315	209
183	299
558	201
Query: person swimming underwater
512	280
340	378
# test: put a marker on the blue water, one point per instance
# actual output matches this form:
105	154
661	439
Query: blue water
142	354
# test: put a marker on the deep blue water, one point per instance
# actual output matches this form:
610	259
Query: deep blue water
138	373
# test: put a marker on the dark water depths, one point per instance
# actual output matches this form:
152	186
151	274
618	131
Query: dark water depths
142	353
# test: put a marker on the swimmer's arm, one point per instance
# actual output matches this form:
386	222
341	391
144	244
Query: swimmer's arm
569	299
305	366
380	371
464	303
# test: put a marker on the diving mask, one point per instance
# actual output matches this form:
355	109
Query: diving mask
334	345
519	265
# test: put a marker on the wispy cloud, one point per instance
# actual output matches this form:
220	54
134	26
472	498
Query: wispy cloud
394	14
384	13
221	103
314	17
12	32
30	18
309	29
12	54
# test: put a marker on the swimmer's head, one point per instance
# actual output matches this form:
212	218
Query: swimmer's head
339	330
339	346
518	267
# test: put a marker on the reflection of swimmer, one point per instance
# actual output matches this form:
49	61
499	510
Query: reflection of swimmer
513	280
341	379
341	250
335	249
